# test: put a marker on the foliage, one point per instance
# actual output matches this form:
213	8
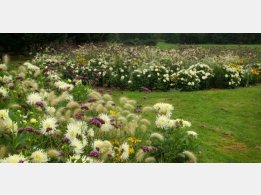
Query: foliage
27	41
138	67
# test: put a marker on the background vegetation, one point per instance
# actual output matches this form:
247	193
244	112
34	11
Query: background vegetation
17	42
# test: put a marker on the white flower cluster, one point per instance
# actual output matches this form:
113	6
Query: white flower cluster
31	67
107	125
164	109
32	98
15	158
53	76
6	79
192	134
49	125
105	148
185	80
76	134
232	76
39	156
63	85
163	120
125	151
203	71
194	77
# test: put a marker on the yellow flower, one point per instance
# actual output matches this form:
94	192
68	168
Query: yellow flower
117	157
114	142
33	121
133	140
255	72
82	59
131	150
236	66
113	112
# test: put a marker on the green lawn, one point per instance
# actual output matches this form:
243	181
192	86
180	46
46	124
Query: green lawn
228	121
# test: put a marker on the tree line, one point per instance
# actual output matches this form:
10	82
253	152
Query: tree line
18	42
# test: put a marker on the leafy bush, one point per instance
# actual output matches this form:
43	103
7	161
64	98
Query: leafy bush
186	80
227	76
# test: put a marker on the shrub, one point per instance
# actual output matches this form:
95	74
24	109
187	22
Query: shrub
227	76
204	73
186	80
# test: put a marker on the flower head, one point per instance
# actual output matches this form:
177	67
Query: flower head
164	109
33	98
125	151
16	158
39	156
49	125
192	134
162	122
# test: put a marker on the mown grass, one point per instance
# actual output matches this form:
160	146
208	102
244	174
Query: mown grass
228	121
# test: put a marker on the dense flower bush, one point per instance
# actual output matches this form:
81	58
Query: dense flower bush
44	118
148	67
185	80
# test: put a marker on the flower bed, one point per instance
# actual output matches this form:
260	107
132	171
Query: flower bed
148	67
46	119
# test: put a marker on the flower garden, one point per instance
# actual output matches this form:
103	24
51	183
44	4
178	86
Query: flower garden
150	68
54	107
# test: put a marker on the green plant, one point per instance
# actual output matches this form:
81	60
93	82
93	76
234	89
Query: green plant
80	92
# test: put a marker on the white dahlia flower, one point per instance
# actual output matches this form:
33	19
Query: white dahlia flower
31	66
75	128
162	122
164	109
33	98
16	158
125	151
103	146
39	156
63	86
77	145
192	134
105	117
49	125
4	114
